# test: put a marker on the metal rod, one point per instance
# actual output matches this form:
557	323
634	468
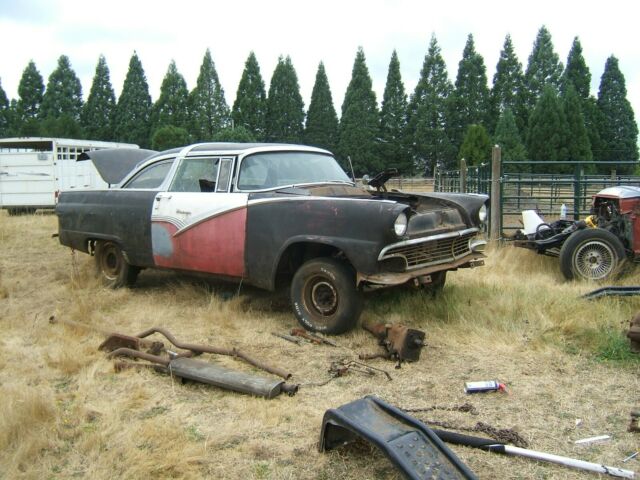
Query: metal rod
493	446
129	352
232	352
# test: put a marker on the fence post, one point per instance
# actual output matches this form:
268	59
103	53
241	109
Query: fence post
463	175
496	195
577	194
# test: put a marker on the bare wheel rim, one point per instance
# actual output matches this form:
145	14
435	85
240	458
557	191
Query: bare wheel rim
323	297
594	260
110	262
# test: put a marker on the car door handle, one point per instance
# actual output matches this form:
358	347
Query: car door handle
160	197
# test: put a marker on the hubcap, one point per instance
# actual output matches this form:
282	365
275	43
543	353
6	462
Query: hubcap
594	260
324	297
110	262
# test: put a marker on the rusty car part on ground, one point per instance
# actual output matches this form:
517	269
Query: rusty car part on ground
410	445
288	338
634	333
119	340
185	368
232	352
400	342
341	367
312	337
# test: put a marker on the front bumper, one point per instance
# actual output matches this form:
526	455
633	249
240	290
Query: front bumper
418	257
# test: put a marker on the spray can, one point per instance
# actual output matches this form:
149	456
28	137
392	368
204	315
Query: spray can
563	212
484	386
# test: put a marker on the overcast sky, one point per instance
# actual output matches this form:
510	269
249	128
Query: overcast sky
309	32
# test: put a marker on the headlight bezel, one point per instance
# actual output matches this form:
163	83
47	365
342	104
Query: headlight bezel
401	224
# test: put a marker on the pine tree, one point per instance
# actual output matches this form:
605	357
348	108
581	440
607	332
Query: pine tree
547	135
393	122
171	108
249	109
508	138
63	96
359	122
593	119
476	146
30	93
134	107
578	146
322	121
577	73
426	131
4	113
544	68
469	103
208	108
619	130
97	114
285	108
13	119
508	87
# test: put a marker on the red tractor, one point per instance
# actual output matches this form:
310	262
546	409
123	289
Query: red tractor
594	248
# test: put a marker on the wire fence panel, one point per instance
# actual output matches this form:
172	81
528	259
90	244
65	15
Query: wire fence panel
544	192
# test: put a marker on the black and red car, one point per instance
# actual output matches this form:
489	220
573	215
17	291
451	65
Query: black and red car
269	215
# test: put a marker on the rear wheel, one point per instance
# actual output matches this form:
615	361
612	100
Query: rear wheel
591	254
325	297
112	267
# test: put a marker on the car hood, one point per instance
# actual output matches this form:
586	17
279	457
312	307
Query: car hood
438	207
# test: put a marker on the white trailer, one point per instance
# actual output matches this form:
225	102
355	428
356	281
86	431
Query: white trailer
33	170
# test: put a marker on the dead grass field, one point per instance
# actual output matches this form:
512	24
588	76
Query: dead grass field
66	414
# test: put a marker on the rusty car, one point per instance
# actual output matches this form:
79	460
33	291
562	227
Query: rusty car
269	215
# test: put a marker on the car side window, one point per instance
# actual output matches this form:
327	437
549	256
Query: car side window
152	176
196	174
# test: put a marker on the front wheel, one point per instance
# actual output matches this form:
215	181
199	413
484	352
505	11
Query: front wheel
112	267
591	254
325	297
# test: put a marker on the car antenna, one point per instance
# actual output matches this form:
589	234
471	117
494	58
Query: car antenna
353	175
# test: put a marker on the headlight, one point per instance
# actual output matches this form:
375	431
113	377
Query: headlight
482	213
400	225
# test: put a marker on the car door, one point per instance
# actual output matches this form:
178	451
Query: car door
125	213
197	224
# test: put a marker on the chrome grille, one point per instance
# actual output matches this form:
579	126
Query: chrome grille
432	252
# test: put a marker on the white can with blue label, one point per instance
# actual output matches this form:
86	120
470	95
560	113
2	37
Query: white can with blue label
484	386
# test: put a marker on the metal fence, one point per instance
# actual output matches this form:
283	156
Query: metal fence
546	193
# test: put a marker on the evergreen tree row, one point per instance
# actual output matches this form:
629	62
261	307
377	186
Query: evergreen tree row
544	112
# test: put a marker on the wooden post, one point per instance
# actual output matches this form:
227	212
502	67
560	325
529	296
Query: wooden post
463	175
496	195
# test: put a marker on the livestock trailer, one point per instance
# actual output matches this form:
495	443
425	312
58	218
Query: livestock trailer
33	170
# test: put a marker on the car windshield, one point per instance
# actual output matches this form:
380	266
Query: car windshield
279	169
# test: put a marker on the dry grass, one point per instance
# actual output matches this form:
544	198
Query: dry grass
65	413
